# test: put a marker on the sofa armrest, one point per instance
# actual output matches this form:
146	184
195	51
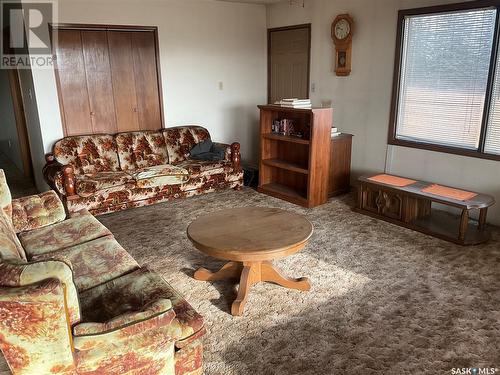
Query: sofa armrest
18	274
60	177
155	315
37	211
146	342
232	153
35	334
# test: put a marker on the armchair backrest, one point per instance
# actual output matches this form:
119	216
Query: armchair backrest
88	153
181	139
5	196
141	149
35	334
10	247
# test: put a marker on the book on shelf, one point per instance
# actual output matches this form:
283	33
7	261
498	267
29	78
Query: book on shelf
335	132
294	103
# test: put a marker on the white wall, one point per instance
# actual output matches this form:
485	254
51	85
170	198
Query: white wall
9	140
202	43
362	100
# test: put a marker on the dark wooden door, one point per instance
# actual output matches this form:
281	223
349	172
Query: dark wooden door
108	80
288	62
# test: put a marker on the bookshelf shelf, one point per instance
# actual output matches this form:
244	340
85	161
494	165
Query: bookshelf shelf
284	192
283	164
291	168
286	138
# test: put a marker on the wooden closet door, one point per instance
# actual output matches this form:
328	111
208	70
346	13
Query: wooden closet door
72	82
146	80
122	72
99	82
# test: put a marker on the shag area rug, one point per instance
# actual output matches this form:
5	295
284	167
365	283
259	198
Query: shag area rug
384	299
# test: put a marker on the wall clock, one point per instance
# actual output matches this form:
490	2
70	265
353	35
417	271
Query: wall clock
342	28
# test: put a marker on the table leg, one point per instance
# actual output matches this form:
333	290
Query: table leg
230	270
271	274
464	224
250	275
482	218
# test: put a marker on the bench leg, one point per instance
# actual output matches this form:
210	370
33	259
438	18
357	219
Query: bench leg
464	224
482	218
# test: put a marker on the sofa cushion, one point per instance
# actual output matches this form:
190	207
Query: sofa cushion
37	211
88	153
89	184
71	232
10	247
94	262
133	291
160	175
196	167
141	149
180	141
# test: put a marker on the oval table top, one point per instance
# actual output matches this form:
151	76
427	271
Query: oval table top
250	233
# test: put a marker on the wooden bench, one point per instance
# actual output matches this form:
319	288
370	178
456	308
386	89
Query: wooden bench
411	207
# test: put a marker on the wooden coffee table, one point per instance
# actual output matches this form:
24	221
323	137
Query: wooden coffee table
250	238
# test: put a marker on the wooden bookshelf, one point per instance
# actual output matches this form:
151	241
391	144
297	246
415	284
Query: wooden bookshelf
293	168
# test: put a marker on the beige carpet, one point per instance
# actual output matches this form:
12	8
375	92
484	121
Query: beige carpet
384	300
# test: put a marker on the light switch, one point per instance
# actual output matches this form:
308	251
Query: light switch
313	87
221	85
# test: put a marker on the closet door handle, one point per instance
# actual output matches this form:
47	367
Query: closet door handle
92	113
135	109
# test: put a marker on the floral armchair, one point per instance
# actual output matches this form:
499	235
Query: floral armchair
73	301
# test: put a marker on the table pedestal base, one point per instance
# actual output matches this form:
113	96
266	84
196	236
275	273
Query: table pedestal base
249	274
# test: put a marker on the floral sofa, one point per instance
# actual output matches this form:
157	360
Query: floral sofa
106	173
73	301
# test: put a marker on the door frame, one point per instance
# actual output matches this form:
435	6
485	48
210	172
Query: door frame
286	28
107	27
20	117
21	125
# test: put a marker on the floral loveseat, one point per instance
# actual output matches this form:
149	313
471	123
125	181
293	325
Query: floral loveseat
105	173
73	301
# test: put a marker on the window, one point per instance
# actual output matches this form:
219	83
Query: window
446	93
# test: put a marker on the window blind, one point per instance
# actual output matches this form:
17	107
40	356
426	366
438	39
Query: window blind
492	143
444	74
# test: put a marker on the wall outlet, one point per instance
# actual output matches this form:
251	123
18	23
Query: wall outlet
313	87
9	142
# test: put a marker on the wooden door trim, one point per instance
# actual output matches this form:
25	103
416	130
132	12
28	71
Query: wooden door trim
108	27
21	126
286	28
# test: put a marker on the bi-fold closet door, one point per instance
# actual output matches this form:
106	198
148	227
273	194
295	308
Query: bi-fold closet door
108	80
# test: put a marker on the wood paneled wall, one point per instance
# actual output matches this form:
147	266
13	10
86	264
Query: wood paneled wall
108	78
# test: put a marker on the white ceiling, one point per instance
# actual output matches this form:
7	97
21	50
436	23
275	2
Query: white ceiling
254	1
